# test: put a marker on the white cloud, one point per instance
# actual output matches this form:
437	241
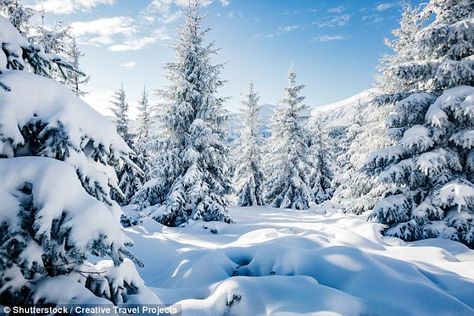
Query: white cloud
235	15
119	33
69	6
288	28
170	18
135	44
281	30
102	31
372	19
339	20
164	6
329	38
128	65
338	9
387	5
262	35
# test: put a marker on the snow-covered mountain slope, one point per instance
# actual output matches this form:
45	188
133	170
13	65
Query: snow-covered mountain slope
340	113
282	262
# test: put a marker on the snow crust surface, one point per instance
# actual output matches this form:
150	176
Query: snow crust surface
287	262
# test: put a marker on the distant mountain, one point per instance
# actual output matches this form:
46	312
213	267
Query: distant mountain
340	113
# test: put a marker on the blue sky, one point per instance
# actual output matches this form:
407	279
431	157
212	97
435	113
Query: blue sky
335	45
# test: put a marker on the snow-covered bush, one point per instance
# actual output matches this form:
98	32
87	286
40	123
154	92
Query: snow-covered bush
289	162
429	167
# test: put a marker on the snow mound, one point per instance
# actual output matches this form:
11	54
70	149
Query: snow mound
281	262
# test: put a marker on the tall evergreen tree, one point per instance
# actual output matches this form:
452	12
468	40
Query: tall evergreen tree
249	176
288	184
430	166
362	189
120	110
322	164
358	190
144	119
194	177
129	177
54	42
74	80
26	56
388	80
143	136
18	14
56	213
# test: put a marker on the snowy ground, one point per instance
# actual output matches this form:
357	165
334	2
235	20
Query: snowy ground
287	262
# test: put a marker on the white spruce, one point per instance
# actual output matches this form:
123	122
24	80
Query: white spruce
192	178
321	150
288	184
249	176
55	161
430	165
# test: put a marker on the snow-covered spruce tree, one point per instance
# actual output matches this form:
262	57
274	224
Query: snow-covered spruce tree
144	119
120	110
129	177
148	141
343	138
23	55
249	176
359	190
18	14
194	178
54	41
339	141
289	168
74	80
362	189
387	80
431	164
45	128
54	154
142	141
322	164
